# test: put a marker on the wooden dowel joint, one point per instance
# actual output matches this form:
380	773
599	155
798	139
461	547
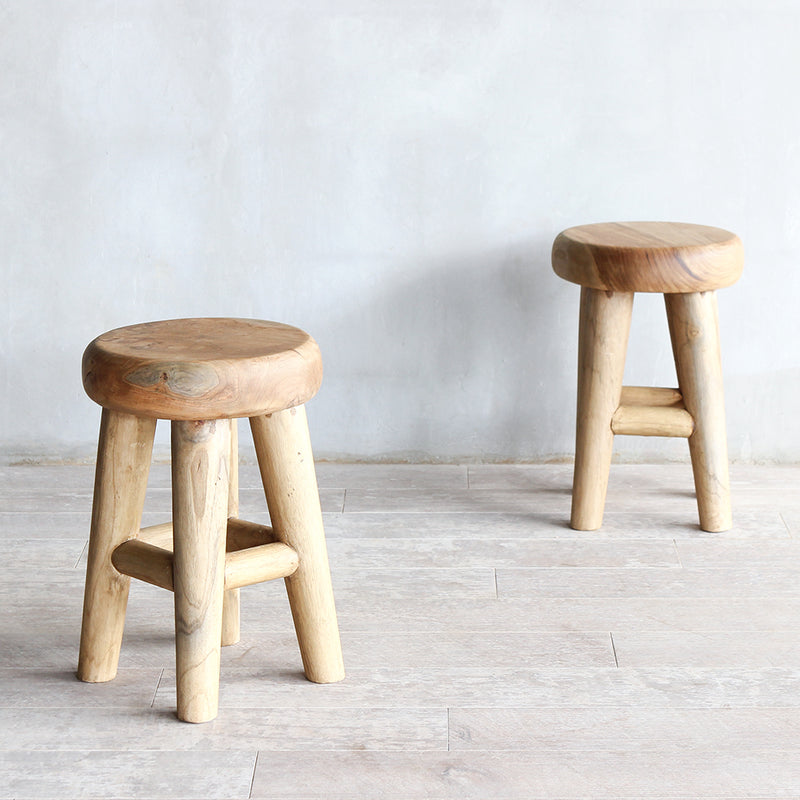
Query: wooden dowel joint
145	562
253	556
650	396
652	421
241	535
265	562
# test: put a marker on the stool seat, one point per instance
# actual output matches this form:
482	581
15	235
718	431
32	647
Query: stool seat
202	369
664	257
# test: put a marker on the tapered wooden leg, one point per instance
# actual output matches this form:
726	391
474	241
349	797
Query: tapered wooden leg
284	455
694	328
200	463
230	603
123	463
605	321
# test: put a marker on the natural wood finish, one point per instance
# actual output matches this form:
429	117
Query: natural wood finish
686	263
191	369
230	602
650	396
202	374
145	562
651	411
241	534
694	329
159	535
286	463
200	463
154	565
230	617
258	564
605	319
648	257
123	463
639	420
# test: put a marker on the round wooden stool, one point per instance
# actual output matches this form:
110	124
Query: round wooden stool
687	263
202	374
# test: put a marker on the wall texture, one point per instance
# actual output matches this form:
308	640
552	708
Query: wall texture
389	176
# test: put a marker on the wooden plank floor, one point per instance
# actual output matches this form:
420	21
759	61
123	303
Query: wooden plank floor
492	652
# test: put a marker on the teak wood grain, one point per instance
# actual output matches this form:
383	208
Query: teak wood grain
231	627
648	257
283	449
190	369
200	462
694	329
605	321
651	411
123	464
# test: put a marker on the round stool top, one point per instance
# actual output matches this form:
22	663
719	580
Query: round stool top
667	257
199	369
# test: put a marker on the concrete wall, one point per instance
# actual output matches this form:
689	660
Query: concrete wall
390	176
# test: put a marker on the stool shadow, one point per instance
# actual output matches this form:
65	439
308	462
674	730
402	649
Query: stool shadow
265	674
54	675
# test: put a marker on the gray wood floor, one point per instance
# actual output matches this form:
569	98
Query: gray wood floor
492	652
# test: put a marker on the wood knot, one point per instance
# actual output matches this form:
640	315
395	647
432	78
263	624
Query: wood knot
183	380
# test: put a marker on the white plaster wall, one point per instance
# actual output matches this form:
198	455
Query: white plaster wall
390	175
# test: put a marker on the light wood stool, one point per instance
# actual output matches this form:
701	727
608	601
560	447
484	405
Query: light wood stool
202	374
687	263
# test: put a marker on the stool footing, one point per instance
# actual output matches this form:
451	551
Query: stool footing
286	463
123	463
230	601
204	555
200	463
605	320
694	330
695	411
230	617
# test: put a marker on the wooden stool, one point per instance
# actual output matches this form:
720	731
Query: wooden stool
686	263
202	374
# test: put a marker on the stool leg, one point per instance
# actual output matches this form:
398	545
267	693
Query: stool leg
694	329
605	322
200	458
284	455
230	603
123	463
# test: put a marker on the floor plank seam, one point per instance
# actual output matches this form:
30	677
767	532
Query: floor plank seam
158	684
253	777
677	552
80	556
